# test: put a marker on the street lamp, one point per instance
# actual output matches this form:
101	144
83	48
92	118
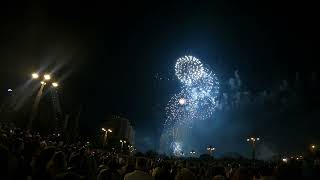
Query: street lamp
210	149
313	148
122	142
35	75
301	157
105	135
253	141
46	77
192	152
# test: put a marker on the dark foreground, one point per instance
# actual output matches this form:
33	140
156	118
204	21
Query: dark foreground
24	155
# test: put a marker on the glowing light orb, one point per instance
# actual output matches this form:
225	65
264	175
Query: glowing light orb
35	75
182	101
46	77
188	69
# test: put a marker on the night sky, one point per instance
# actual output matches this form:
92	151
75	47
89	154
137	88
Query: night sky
119	58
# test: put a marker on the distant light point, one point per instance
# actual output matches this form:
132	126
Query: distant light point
182	101
35	75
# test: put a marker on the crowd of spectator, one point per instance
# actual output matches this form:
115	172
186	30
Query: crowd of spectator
28	156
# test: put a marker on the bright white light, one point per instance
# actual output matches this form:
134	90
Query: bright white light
182	101
47	77
9	90
103	129
54	84
35	75
109	130
43	83
285	160
177	148
258	139
248	140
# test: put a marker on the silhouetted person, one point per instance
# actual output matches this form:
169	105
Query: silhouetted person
4	157
56	165
242	174
140	172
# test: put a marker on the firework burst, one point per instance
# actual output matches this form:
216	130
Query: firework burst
196	100
188	69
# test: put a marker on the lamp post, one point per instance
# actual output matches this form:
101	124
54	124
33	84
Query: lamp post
192	153
210	150
253	141
105	135
46	78
122	142
313	149
35	107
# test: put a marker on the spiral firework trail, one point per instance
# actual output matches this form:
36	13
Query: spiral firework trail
196	100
